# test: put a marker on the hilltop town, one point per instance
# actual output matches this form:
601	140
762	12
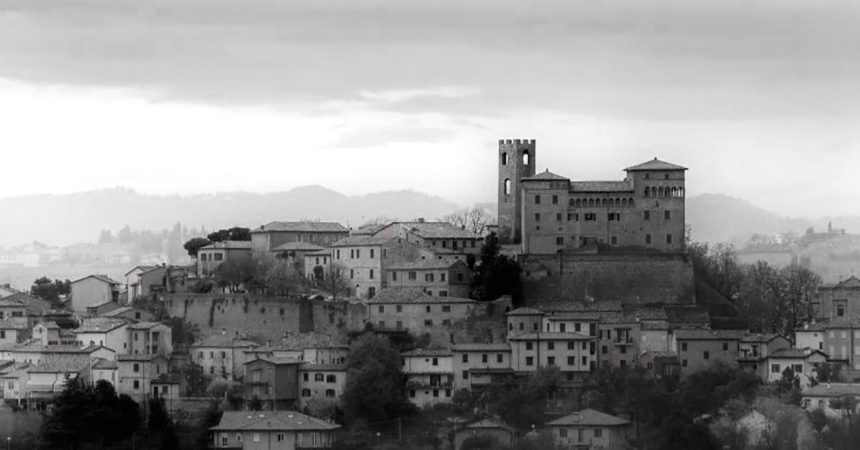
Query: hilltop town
580	316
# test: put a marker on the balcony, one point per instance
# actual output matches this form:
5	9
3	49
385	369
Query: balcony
623	341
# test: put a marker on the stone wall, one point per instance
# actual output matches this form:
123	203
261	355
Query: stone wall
266	317
629	278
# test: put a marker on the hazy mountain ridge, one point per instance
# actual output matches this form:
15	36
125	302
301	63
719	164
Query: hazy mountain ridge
78	217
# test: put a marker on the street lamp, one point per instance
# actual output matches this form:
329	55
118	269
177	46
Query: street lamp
8	442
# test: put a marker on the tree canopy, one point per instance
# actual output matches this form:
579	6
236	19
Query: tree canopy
193	245
374	381
497	274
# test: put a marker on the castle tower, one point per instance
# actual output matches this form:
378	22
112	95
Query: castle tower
516	161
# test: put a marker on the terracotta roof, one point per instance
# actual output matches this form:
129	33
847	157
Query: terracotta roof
589	417
104	364
323	252
489	424
220	340
550	337
278	361
306	226
600	186
795	353
419	352
138	357
99	277
482	347
271	421
655	164
229	245
436	230
99	325
10	325
546	175
425	264
323	368
50	324
361	241
701	335
412	295
526	311
65	364
297	246
569	305
832	390
760	337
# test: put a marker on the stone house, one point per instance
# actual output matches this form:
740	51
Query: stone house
108	332
524	320
822	396
93	290
363	261
132	282
273	381
294	253
222	356
755	349
136	373
841	341
272	430
440	237
269	236
481	365
618	339
572	353
804	363
840	301
321	384
150	338
699	349
130	314
48	378
810	336
503	434
12	332
429	376
590	429
439	276
317	265
210	257
405	309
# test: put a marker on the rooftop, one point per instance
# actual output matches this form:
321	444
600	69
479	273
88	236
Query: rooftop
795	353
550	337
600	186
299	246
479	347
228	245
99	277
851	282
526	311
224	341
832	390
546	175
278	361
760	337
412	295
144	325
271	421
323	367
436	230
589	417
701	335
489	423
425	264
655	164
421	352
361	240
306	226
99	324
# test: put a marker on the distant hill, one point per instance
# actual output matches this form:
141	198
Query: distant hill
721	218
78	217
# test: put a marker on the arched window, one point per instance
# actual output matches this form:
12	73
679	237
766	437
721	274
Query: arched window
578	202
647	191
617	202
591	202
660	191
331	379
504	158
681	192
329	393
526	158
603	202
674	192
630	202
507	186
611	202
623	202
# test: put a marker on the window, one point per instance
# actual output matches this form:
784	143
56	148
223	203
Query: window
667	215
537	199
351	273
840	310
393	276
554	199
499	358
507	186
136	368
331	378
590	217
598	432
224	438
725	346
428	322
371	274
774	368
550	345
413	276
613	240
382	308
504	158
329	393
465	358
280	437
706	355
255	437
684	363
372	251
136	384
530	361
537	217
603	350
444	294
648	239
219	256
305	376
562	432
559	240
427	308
614	217
484	358
558	217
550	361
465	374
668	238
399	308
428	277
683	346
358	253
442	276
529	345
319	377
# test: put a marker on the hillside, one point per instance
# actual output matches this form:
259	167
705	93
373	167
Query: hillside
718	218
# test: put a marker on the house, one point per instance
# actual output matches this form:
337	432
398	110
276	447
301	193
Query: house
754	350
14	381
275	430
317	265
132	283
150	338
312	348
409	309
803	361
481	365
49	333
573	353
136	373
222	356
213	255
435	236
109	332
12	332
503	435
699	349
130	314
841	337
6	290
106	370
826	396
166	387
22	308
269	236
618	339
362	261
34	352
524	320
294	253
273	381
48	378
429	376
810	336
101	308
93	290
840	301
660	365
589	429
321	384
439	276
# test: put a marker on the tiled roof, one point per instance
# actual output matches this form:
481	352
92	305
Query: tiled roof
589	417
50	324
419	352
323	368
65	364
545	176
142	268
303	226
99	325
655	164
795	353
550	337
297	246
224	341
760	337
104	364
271	421
361	240
323	252
424	264
526	311
600	186
228	245
569	306
701	335
436	230
412	295
489	423
99	277
10	325
832	390
303	341
278	361
138	357
482	347
144	325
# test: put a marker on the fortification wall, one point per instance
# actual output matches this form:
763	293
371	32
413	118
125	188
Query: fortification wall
266	317
629	278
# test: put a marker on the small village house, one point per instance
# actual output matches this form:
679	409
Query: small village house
275	430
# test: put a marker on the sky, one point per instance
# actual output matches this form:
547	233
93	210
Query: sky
758	99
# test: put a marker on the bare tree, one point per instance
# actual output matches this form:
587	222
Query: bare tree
473	219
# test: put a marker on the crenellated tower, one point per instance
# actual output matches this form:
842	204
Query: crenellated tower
516	161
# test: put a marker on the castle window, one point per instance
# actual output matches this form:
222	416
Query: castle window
623	202
611	202
617	202
647	176
526	158
591	202
680	192
603	202
660	191
504	158
507	186
554	199
558	217
647	239
668	238
537	199
666	176
537	217
590	217
613	240
559	241
646	215
578	202
647	191
630	202
667	215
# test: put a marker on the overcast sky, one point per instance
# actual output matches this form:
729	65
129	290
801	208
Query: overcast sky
761	99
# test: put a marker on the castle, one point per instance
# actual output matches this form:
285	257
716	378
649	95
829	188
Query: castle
546	213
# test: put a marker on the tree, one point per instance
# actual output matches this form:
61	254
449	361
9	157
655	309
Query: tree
192	246
374	381
525	405
230	234
283	279
234	273
475	220
105	237
497	274
49	290
335	281
800	287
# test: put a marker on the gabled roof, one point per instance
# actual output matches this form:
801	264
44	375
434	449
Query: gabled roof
851	282
99	325
796	353
278	361
306	226
420	352
545	176
104	364
224	341
99	277
361	240
435	230
655	164
228	245
703	335
271	421
526	311
412	295
300	246
482	347
589	417
832	390
484	424
142	269
63	364
600	186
